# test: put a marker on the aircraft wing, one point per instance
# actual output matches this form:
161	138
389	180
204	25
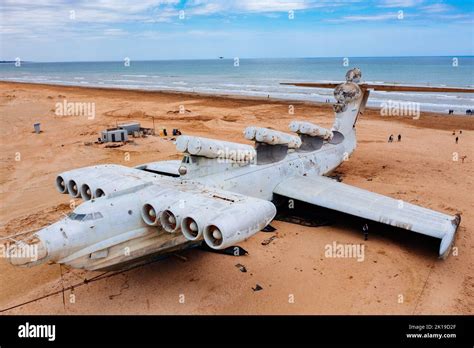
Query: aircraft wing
384	87
328	193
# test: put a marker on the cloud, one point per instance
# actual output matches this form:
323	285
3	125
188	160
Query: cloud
56	13
114	32
372	18
395	16
437	8
56	18
400	3
209	7
61	19
32	23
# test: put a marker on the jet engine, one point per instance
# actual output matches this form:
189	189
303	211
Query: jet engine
78	182
92	187
183	205
272	137
238	222
63	180
71	181
212	148
193	224
153	208
311	130
95	181
182	143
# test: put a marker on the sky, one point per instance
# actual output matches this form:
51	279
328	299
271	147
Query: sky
111	30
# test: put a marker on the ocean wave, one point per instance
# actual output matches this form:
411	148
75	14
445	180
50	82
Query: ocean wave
133	75
128	81
440	102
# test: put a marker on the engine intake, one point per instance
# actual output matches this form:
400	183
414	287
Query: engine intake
86	192
73	188
149	215
61	184
169	221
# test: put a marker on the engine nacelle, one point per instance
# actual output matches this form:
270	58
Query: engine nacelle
171	219
187	204
109	187
86	192
95	181
311	129
182	143
153	208
272	137
91	186
238	222
75	182
193	224
212	148
63	180
81	182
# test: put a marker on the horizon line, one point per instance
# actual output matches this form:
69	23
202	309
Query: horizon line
7	61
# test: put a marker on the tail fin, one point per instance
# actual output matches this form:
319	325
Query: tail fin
351	102
352	97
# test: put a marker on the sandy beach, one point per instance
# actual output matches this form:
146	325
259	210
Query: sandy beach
398	275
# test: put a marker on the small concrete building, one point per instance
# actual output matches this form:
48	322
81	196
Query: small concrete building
130	127
114	135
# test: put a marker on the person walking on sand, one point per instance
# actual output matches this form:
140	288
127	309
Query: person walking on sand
390	138
457	139
399	137
365	229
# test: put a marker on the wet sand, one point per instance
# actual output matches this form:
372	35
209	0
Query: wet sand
399	275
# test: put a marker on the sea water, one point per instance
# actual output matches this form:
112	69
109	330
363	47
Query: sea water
262	77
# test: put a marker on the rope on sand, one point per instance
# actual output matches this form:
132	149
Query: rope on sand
72	287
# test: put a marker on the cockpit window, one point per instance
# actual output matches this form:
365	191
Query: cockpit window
85	217
77	217
88	217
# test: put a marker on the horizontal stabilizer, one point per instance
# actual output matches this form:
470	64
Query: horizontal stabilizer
324	192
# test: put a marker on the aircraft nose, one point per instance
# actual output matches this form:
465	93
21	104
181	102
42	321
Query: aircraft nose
24	253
